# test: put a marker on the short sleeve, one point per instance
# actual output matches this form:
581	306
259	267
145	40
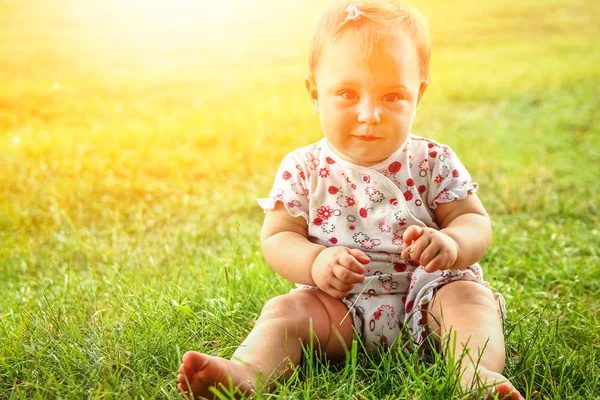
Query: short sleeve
450	180
290	187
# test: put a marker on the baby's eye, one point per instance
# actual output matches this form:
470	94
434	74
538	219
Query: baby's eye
392	97
349	94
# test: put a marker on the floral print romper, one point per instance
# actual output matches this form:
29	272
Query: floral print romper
369	208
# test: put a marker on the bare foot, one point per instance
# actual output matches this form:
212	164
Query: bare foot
489	384
200	372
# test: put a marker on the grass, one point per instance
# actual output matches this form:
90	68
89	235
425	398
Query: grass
130	160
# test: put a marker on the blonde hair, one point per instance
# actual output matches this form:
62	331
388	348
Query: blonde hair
379	25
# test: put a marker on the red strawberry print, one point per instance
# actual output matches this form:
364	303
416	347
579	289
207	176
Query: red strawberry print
433	154
363	212
422	188
366	179
330	160
286	175
318	221
352	227
430	145
410	182
395	167
333	240
332	190
455	173
399	267
408	195
394	201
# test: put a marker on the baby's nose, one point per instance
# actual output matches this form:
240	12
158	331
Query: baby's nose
369	113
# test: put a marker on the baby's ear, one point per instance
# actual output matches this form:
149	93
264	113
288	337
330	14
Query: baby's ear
422	88
311	87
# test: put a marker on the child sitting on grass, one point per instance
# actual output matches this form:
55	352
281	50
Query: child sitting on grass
380	229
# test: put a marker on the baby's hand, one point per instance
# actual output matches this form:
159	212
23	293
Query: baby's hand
336	270
429	247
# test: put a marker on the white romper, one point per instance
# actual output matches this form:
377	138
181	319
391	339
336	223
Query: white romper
369	208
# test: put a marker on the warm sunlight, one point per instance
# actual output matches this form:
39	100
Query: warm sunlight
171	25
165	34
137	137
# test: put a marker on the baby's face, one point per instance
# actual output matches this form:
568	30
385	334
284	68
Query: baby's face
367	106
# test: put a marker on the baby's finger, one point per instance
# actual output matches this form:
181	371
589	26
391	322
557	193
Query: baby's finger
349	261
429	253
347	276
406	253
336	288
415	250
439	262
412	233
360	256
340	287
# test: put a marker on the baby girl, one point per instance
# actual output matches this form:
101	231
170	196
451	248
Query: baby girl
380	229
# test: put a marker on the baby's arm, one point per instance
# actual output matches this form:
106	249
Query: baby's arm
335	270
463	239
286	247
467	222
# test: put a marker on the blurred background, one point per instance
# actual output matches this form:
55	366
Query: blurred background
110	108
135	137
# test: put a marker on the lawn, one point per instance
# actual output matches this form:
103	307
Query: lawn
134	142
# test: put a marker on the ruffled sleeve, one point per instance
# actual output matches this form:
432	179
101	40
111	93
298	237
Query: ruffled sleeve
290	187
450	180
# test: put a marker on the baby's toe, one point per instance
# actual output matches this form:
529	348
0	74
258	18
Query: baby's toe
194	361
506	391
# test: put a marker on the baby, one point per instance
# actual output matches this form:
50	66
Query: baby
380	229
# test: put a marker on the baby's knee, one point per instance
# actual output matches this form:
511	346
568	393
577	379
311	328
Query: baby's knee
465	292
289	307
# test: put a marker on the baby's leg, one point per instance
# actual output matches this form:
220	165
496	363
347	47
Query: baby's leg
274	346
469	311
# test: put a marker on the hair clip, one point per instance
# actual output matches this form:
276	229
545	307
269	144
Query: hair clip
353	12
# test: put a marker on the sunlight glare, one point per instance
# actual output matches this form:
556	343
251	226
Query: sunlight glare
160	21
157	32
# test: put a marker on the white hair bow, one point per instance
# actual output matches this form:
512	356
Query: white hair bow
353	12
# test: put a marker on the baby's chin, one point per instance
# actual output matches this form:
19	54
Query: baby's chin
369	158
367	161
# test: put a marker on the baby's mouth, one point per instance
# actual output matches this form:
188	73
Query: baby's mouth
366	138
